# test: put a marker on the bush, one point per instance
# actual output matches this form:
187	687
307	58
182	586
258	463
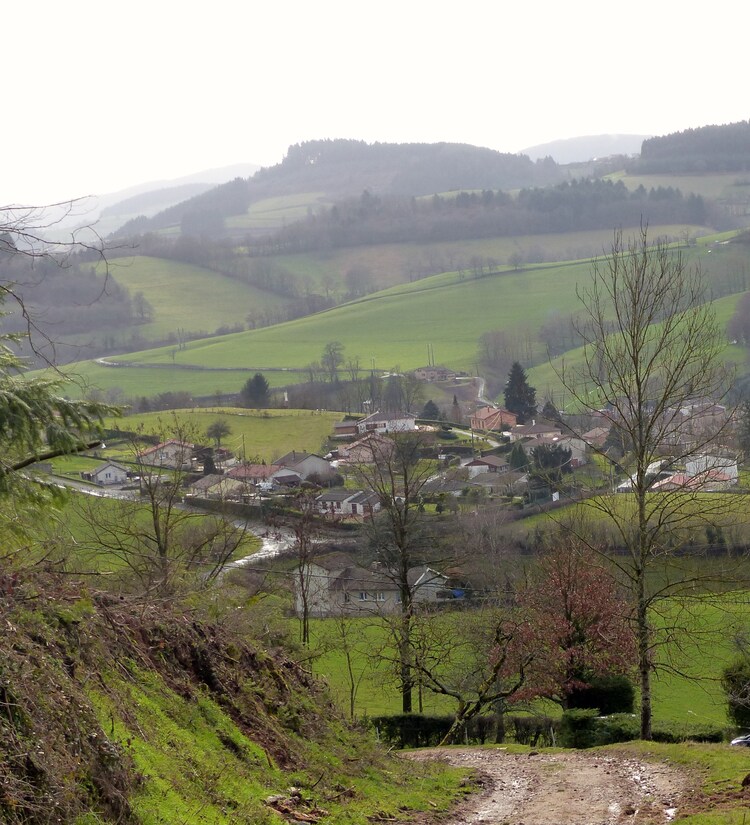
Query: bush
412	730
735	679
674	732
619	727
608	694
533	730
578	728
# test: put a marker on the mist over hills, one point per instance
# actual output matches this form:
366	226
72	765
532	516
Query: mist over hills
590	147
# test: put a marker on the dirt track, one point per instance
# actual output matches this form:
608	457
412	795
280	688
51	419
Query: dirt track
570	788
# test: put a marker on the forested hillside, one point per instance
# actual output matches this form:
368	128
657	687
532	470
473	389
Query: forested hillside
707	149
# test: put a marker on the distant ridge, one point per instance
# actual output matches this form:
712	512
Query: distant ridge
582	149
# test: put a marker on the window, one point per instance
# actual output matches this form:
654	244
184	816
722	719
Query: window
380	596
363	596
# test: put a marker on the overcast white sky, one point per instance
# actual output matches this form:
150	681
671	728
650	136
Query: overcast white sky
105	94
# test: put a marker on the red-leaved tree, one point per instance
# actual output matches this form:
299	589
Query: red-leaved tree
580	620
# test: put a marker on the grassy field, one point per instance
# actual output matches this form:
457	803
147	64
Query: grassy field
188	297
686	687
393	328
265	434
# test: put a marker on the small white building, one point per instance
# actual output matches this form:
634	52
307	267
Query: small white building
380	422
106	474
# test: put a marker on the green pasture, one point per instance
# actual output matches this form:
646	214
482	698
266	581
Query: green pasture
546	375
266	434
274	213
126	382
725	508
189	298
713	185
686	685
392	328
393	264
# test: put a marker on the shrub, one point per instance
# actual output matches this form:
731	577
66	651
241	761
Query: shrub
578	728
619	727
735	680
533	730
412	730
609	694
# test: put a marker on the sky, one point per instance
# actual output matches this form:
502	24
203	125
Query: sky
107	95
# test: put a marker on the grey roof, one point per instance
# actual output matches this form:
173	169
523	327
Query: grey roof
336	495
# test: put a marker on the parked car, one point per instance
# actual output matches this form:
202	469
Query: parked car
743	741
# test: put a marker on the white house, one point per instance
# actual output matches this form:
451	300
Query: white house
697	465
380	422
339	502
306	464
174	454
107	473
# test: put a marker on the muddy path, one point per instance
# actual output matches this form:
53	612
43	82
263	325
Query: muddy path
569	788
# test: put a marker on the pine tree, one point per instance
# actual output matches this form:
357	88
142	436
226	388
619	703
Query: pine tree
520	397
431	411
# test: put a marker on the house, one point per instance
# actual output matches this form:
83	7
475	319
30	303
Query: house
306	464
596	437
265	474
369	449
542	429
487	464
718	462
337	585
577	447
381	422
106	474
216	486
429	586
345	429
177	455
339	502
492	418
432	373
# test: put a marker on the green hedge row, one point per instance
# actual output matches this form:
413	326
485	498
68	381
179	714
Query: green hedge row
586	729
412	730
583	728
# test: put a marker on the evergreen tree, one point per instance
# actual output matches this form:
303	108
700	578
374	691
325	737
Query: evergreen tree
517	458
520	397
431	411
255	393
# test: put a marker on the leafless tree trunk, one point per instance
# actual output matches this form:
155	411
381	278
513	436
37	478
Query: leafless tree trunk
651	358
397	475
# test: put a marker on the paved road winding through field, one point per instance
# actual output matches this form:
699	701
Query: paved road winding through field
567	788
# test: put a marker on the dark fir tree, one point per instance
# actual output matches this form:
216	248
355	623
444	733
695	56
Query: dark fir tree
255	393
431	411
520	397
517	458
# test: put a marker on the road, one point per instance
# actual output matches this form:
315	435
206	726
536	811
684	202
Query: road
562	788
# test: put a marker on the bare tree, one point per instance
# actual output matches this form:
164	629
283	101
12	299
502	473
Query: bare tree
305	528
155	535
485	659
651	361
397	474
